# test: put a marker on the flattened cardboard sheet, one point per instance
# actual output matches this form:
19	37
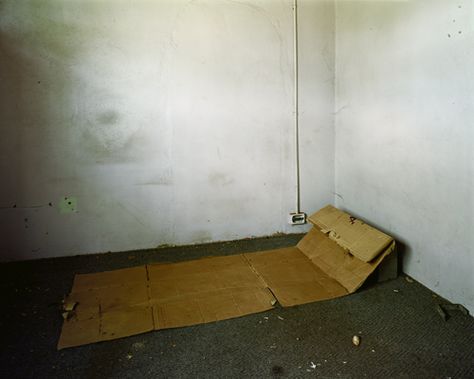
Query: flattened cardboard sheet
293	278
136	300
206	290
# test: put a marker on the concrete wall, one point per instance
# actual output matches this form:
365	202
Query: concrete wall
128	125
405	131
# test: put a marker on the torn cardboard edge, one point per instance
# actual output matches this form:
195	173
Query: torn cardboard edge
325	264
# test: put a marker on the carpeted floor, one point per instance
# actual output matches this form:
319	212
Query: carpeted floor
402	334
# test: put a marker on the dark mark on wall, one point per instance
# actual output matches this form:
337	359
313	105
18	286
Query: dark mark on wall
201	236
340	109
449	35
158	182
108	118
220	179
23	207
338	195
104	145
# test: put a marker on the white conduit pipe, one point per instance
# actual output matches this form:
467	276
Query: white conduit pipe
296	105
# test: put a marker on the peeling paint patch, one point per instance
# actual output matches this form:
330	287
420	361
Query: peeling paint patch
67	204
163	179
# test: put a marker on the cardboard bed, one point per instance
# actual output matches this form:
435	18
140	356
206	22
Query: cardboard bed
333	259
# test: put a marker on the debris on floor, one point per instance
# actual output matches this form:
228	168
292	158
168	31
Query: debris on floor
68	308
138	345
443	310
356	340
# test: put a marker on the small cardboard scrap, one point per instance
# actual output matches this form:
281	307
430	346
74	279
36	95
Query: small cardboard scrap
332	260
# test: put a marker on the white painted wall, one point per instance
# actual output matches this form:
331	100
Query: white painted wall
405	131
170	122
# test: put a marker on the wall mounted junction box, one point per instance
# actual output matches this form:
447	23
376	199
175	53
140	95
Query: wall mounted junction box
298	218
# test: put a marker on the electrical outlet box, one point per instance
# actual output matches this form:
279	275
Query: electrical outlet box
297	218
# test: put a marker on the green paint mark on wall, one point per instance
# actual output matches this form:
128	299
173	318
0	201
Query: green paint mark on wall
67	204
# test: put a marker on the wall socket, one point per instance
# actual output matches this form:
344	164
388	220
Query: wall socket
297	218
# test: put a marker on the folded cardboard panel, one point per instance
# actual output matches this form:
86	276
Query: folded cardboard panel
360	239
337	262
136	300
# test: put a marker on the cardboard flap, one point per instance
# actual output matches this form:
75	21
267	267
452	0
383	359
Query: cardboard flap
336	262
361	240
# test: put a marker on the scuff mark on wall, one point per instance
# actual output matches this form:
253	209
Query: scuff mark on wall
201	236
108	117
15	206
220	179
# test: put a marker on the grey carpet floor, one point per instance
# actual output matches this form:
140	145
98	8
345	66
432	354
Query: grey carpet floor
402	335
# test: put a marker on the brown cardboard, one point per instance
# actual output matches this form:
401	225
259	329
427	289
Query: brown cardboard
360	239
136	300
293	278
324	265
336	262
206	290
